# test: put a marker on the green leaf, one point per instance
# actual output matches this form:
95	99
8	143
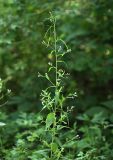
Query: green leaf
56	97
97	109
51	119
10	1
108	104
46	75
82	144
54	147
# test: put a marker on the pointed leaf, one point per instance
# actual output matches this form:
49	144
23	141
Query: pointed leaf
51	119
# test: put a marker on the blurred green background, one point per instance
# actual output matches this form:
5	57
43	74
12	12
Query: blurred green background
87	28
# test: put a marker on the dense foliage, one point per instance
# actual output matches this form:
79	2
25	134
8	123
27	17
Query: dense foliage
86	27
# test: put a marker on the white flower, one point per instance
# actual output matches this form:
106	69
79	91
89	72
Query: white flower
2	124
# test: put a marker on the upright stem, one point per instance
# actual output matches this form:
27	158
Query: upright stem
56	77
56	57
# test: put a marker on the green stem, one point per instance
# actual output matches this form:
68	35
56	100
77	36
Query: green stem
56	57
56	77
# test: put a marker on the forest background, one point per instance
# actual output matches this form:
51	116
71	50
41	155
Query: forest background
87	28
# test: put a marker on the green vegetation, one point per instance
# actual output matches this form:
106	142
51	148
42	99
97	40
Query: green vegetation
41	119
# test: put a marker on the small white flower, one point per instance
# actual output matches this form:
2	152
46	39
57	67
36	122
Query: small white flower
9	91
69	50
50	63
60	48
2	124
